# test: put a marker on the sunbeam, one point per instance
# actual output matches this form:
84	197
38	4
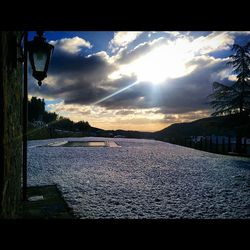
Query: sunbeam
116	93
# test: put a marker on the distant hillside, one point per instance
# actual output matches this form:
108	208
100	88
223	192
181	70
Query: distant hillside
119	133
221	125
131	134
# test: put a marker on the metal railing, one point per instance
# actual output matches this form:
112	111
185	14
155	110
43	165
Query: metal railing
214	144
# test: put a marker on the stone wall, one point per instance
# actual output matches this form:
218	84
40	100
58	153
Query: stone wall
11	124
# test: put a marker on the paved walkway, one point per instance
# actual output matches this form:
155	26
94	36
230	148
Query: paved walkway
46	202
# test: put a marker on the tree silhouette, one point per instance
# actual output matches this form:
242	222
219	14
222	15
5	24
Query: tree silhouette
49	117
36	111
234	99
36	108
82	126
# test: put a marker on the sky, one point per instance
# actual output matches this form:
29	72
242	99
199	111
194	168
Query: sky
135	80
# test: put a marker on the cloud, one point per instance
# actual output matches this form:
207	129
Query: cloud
145	120
180	95
189	93
173	33
213	42
125	56
71	109
201	45
75	78
186	117
237	33
123	38
71	45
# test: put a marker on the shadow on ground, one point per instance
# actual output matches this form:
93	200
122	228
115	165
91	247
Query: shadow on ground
46	202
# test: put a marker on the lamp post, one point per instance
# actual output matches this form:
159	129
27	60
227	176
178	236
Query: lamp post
39	55
39	52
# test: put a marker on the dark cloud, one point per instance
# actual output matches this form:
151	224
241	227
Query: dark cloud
174	96
94	67
189	93
76	79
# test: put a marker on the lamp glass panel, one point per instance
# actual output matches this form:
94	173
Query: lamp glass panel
40	58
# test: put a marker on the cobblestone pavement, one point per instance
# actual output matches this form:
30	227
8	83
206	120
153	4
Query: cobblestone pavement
143	179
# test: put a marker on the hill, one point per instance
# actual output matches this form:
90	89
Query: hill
221	125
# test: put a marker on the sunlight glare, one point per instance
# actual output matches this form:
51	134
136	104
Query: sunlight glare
165	61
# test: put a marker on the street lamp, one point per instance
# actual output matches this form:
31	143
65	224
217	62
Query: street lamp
39	55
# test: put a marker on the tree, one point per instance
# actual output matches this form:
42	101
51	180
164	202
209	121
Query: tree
64	124
36	108
241	64
82	126
36	111
49	117
234	99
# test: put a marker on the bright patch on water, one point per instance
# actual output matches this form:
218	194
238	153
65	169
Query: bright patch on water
86	144
83	144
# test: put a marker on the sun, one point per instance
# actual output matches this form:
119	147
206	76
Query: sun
163	62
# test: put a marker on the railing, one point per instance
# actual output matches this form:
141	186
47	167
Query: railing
214	144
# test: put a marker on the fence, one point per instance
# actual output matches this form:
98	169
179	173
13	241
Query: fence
214	144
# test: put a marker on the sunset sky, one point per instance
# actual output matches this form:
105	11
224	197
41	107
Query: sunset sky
135	80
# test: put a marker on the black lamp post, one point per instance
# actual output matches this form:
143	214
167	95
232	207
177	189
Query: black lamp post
39	55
